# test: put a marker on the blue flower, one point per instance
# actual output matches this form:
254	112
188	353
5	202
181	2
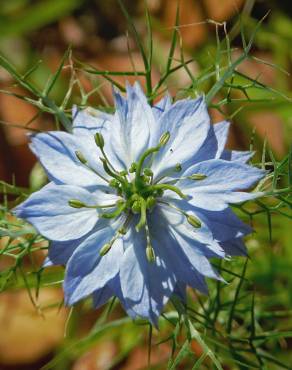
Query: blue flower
139	201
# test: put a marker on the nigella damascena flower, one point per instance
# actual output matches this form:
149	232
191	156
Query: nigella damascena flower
139	201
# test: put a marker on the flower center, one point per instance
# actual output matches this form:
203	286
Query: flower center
136	187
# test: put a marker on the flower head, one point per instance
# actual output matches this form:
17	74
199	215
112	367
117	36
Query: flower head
139	201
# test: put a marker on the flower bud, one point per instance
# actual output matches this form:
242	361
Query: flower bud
164	138
75	203
99	141
80	157
105	249
197	176
194	221
150	253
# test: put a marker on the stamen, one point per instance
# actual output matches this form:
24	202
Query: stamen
81	157
192	220
110	172
150	254
164	138
99	140
197	176
75	203
105	249
83	160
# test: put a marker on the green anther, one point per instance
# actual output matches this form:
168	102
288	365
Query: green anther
99	141
80	157
178	167
133	167
150	202
136	207
75	203
105	249
167	187
148	172
143	218
164	138
150	254
197	176
194	221
120	208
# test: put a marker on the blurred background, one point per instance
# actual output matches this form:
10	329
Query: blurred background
34	30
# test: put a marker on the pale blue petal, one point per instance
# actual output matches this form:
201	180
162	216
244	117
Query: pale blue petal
133	121
56	152
90	119
60	252
237	156
101	296
222	184
202	237
146	286
188	123
161	106
234	247
86	270
49	212
221	130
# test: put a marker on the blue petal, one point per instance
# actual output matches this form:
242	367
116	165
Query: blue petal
49	212
237	156
133	122
90	119
224	224
221	130
234	247
101	296
146	286
188	123
86	270
56	152
163	105
202	236
221	185
60	252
